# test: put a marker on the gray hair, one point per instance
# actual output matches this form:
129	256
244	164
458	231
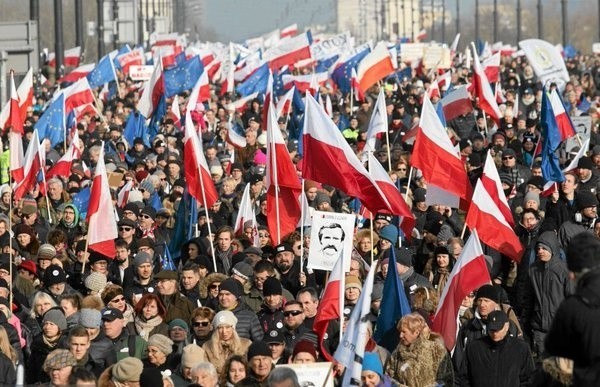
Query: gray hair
205	366
283	374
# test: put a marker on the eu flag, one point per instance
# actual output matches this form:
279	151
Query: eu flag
81	201
104	72
551	170
51	124
167	260
256	82
136	127
343	72
394	305
183	76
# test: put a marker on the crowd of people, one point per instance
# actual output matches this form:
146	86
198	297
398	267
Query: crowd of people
73	316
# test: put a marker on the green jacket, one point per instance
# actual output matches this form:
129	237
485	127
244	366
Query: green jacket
123	343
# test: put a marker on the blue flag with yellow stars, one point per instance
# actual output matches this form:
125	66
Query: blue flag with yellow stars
104	72
51	124
183	76
342	75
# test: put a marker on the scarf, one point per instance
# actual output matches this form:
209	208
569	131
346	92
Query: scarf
442	277
407	274
128	314
49	343
224	258
144	328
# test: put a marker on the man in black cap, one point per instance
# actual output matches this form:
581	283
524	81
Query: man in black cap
126	231
584	220
587	180
575	333
519	173
271	312
124	344
230	298
260	363
497	359
293	278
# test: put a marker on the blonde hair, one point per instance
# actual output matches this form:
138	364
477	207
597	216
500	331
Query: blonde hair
6	348
414	322
40	296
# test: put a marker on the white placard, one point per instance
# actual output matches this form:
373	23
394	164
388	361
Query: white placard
411	52
596	48
312	374
583	127
140	73
331	235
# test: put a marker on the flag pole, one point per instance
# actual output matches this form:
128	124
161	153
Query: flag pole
485	122
410	171
47	199
301	226
462	234
389	152
370	220
341	303
10	239
212	247
351	99
274	182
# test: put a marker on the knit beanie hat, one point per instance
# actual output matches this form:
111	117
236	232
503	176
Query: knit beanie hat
352	281
128	370
531	195
95	281
90	318
372	362
489	292
305	346
224	317
243	270
141	258
389	233
259	348
192	354
147	186
232	286
179	323
272	286
46	251
56	317
110	292
162	342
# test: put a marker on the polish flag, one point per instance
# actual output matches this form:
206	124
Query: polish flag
290	31
197	174
434	91
63	165
123	195
468	274
168	39
422	35
485	216
200	93
87	109
284	105
289	51
454	45
358	94
491	181
483	90
393	195
166	56
435	156
102	224
241	104
25	93
32	165
491	67
331	304
78	94
72	57
247	68
153	91
563	121
375	66
329	159
444	80
132	58
175	112
78	73
245	214
306	82
378	123
282	184
15	123
228	70
457	103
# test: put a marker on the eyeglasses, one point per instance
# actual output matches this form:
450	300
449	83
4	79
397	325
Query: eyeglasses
507	158
144	216
401	169
120	299
292	313
125	229
200	324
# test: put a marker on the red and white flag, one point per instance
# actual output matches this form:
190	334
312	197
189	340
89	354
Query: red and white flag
72	56
63	165
240	105
331	304
197	174
378	123
102	223
246	214
358	94
305	83
289	51
123	195
153	91
284	105
454	45
491	67
375	66
289	31
329	159
25	93
457	103
78	94
15	123
32	166
393	195
563	121
444	80
492	184
422	35
468	274
485	216
131	58
483	90
433	91
282	184
78	73
435	156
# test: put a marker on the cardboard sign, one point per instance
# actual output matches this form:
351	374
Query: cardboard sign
140	73
312	374
331	236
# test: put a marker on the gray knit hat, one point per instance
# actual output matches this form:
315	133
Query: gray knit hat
96	281
56	317
90	318
162	342
128	370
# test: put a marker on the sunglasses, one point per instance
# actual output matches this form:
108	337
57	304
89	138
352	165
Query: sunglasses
200	324
292	313
213	287
120	299
125	229
144	216
507	158
401	169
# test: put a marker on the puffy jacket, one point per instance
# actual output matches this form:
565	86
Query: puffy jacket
248	326
549	285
